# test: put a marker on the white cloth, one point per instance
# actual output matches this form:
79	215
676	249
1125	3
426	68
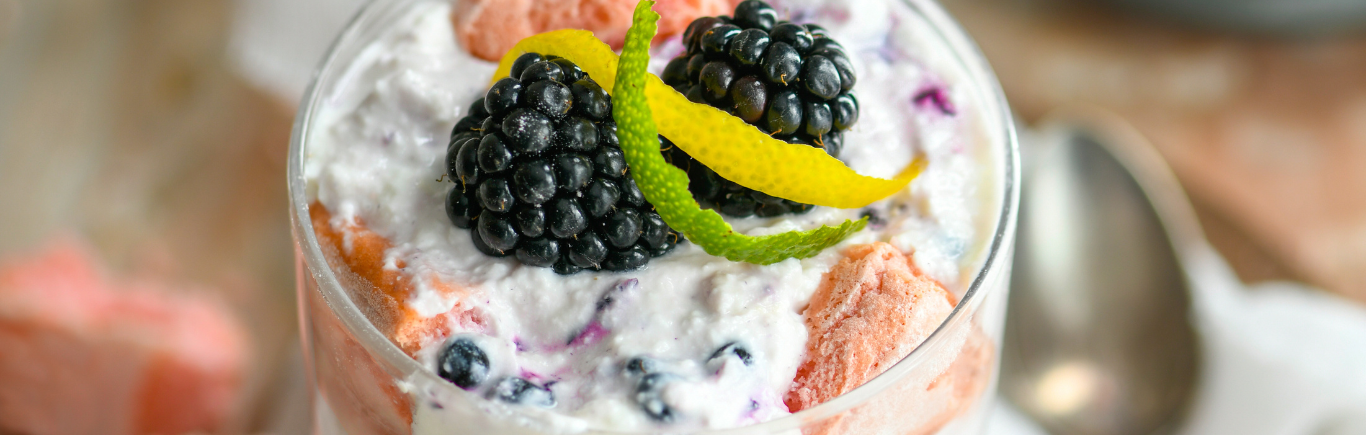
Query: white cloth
276	44
1279	359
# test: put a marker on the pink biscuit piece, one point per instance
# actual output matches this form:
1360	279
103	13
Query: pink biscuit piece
869	312
79	354
489	28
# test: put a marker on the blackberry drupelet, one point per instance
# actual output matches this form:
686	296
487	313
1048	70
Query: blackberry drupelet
790	80
539	175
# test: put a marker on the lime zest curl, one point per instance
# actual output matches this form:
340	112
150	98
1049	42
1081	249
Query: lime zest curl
666	186
737	151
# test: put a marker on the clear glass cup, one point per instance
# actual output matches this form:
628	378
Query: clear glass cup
364	384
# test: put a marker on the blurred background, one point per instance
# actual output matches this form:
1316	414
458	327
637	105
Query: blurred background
155	131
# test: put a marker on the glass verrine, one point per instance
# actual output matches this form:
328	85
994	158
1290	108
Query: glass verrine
366	384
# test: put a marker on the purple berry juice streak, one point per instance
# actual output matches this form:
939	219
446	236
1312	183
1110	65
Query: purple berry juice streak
936	97
594	332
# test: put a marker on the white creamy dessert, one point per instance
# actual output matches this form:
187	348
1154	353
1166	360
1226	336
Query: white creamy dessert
729	335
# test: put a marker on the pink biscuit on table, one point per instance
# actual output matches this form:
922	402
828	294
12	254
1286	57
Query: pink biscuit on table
489	28
869	312
79	354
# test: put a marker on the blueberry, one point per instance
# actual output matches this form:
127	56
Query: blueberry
576	134
733	348
750	97
622	228
550	98
529	220
845	112
541	252
817	116
600	197
756	15
781	64
457	207
587	251
748	46
591	100
610	162
497	232
793	34
519	66
627	259
716	79
523	392
785	113
502	97
572	172
528	131
648	397
496	194
543	70
534	181
463	363
566	218
639	366
820	77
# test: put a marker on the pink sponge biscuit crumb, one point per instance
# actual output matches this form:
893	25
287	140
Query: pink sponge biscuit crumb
489	28
869	312
79	354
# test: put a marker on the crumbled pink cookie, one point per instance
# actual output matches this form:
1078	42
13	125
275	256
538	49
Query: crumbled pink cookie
82	354
489	28
869	312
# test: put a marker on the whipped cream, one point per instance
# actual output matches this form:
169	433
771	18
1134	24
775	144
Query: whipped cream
377	155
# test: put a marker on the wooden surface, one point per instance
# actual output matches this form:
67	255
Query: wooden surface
1267	136
121	123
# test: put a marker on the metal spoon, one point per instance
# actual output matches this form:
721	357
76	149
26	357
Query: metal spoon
1099	337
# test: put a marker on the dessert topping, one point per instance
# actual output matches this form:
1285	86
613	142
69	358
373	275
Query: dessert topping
666	186
539	175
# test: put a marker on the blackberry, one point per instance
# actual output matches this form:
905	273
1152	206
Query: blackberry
539	175
791	80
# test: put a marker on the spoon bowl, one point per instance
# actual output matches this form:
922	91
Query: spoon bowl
1099	337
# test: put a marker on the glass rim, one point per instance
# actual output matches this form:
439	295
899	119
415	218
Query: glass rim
962	50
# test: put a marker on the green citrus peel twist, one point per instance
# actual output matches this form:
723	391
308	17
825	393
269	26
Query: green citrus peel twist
737	151
644	107
667	186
